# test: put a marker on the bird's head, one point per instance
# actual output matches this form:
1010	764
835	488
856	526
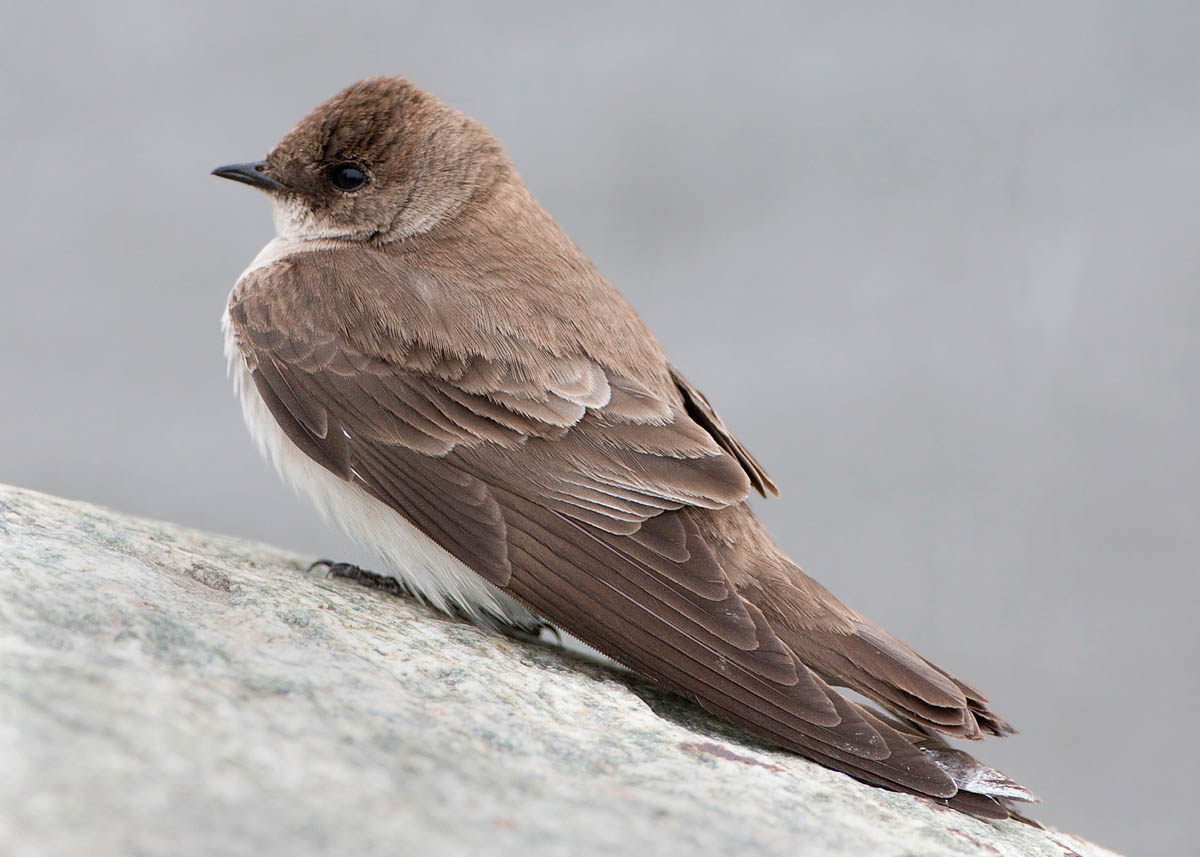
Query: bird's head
380	161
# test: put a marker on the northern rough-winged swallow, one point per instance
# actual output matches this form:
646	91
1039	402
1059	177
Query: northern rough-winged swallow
424	352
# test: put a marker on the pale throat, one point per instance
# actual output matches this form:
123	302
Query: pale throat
295	221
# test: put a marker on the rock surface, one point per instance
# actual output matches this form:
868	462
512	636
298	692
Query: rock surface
165	691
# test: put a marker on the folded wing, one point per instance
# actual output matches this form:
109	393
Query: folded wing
579	490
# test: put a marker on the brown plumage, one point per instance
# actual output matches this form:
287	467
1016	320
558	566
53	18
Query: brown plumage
433	339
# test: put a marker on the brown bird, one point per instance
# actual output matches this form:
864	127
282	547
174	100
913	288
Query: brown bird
428	356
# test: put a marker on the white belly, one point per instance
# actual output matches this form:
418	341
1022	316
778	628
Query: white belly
405	552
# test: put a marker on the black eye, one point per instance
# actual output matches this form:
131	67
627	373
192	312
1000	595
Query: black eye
347	177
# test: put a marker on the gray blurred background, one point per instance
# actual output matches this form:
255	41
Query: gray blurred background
937	265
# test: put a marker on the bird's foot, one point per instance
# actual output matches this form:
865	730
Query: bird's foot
363	577
526	633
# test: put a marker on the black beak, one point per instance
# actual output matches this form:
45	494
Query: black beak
251	174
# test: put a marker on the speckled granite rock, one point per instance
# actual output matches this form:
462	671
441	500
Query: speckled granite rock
164	691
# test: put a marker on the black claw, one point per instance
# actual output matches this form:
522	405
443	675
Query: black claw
546	626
